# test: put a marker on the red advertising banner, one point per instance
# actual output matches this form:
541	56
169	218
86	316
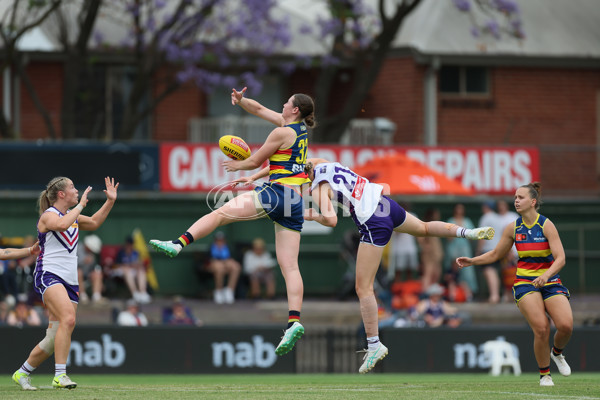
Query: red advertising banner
485	170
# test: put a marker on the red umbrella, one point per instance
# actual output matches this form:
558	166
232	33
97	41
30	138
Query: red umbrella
404	175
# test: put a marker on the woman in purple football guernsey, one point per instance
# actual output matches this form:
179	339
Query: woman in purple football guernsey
55	276
376	217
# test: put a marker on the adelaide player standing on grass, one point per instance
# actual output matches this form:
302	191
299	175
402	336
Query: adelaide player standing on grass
280	199
55	276
537	288
376	216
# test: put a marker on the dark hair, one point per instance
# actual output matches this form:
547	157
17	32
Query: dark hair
307	109
308	167
535	192
49	195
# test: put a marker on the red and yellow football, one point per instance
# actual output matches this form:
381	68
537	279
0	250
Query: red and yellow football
234	147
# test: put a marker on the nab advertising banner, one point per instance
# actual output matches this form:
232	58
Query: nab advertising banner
485	170
173	350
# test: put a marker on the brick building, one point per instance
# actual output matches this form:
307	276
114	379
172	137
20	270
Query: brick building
439	87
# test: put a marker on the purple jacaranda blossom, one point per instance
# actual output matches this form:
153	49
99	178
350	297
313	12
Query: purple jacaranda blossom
493	27
506	6
160	4
462	5
305	29
475	31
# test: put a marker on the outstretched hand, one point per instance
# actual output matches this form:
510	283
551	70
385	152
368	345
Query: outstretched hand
84	199
463	262
111	188
236	96
242	181
231	165
35	249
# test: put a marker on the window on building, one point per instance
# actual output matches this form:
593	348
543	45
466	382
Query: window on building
464	81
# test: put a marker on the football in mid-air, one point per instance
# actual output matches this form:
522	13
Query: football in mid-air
234	147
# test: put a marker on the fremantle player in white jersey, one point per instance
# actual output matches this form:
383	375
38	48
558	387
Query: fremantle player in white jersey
376	217
55	276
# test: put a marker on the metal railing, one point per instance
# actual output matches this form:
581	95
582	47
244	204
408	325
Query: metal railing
584	256
329	350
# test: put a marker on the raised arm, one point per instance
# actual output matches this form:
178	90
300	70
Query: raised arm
95	221
274	141
503	247
255	108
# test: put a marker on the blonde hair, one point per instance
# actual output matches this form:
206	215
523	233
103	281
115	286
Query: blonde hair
49	195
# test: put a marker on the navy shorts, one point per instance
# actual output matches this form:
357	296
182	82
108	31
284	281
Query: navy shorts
283	205
551	290
44	279
378	229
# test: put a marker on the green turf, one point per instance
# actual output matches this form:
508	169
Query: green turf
309	386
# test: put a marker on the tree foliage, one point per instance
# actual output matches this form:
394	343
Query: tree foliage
221	43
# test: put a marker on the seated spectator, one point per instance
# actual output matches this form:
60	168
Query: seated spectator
89	270
23	315
132	315
25	268
434	310
223	265
179	314
129	265
258	265
4	309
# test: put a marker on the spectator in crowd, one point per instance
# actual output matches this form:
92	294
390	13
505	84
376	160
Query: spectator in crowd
25	268
23	315
509	262
456	247
8	281
223	265
129	265
491	272
179	314
258	265
432	252
89	270
434	310
4	309
403	257
132	315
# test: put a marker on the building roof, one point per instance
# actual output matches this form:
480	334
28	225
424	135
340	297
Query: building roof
565	31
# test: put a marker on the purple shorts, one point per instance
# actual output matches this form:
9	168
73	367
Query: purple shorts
43	280
378	229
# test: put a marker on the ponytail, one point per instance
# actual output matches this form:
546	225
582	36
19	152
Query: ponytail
49	195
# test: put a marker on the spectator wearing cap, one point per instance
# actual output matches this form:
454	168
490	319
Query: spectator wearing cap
434	310
89	270
129	265
132	315
222	266
491	272
258	265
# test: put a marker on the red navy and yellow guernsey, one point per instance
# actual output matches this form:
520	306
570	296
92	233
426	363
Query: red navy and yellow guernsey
287	165
280	197
535	258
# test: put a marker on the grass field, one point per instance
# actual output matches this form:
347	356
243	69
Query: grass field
307	386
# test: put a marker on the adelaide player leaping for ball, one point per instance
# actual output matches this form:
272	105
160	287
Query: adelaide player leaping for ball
280	199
